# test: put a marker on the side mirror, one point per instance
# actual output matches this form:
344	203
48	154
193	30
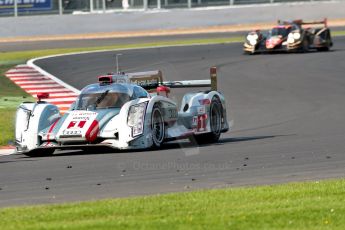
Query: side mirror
41	96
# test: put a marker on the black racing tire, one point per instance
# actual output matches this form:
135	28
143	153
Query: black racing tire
215	116
39	153
249	53
325	35
328	44
305	45
323	49
157	127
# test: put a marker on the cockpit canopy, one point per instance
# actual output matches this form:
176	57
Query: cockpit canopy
98	96
280	31
283	30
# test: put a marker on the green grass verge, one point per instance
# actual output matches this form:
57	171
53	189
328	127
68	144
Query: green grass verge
7	87
8	105
311	205
7	126
338	33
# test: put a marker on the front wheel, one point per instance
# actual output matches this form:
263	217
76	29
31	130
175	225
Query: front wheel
215	117
157	127
39	153
322	49
305	45
249	52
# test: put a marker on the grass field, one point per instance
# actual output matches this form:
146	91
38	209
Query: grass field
311	205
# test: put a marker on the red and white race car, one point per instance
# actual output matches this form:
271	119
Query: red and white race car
291	36
123	111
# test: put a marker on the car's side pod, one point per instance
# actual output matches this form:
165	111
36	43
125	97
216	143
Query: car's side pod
31	118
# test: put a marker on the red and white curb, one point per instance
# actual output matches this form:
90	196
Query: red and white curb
34	81
7	151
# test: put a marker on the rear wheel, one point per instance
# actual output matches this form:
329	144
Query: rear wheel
328	44
157	127
215	117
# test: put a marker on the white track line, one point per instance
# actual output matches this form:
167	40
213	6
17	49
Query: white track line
37	75
27	77
23	71
60	95
61	90
21	82
24	66
46	86
45	73
5	152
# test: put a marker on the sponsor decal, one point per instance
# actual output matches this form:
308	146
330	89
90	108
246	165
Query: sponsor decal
172	113
121	79
50	131
26	5
79	123
273	42
195	121
146	82
71	132
202	123
201	110
199	123
73	124
91	134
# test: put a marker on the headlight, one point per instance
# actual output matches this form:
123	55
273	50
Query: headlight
296	36
252	38
290	38
252	42
136	116
23	118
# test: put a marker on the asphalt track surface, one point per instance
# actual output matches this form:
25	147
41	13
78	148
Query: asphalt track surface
80	43
288	112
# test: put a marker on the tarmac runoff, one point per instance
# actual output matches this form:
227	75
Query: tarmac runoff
160	32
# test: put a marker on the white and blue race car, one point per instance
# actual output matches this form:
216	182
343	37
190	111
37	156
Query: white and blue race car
123	111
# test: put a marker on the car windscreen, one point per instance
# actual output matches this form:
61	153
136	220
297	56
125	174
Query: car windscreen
279	31
106	99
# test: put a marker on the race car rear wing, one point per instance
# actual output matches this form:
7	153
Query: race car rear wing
152	79
301	22
148	80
